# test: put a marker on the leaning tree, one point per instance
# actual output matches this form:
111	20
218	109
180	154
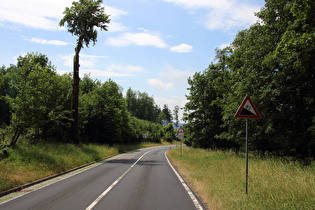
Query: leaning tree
82	18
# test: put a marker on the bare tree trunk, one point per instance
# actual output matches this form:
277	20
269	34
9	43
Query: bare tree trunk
75	93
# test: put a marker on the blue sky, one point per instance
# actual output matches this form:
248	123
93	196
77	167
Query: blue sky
152	46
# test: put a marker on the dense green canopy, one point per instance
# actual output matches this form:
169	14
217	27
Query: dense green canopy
273	62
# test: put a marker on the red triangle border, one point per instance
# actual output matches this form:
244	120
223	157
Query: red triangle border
237	115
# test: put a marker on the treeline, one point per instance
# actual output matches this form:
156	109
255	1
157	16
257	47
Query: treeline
142	106
274	63
36	102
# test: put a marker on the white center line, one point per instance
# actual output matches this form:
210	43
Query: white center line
115	183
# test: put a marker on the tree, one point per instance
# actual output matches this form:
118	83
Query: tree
5	90
105	115
40	96
273	62
204	107
167	113
141	105
176	109
161	118
169	133
81	19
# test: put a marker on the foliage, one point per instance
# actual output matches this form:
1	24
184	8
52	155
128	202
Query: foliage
273	62
82	18
169	132
40	98
5	90
39	101
141	105
168	113
105	114
140	127
176	109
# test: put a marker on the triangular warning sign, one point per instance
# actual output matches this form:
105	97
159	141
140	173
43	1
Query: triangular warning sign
247	109
181	130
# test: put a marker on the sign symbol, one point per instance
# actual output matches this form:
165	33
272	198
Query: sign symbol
247	109
181	130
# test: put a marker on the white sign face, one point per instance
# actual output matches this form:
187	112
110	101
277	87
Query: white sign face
181	136
247	109
181	130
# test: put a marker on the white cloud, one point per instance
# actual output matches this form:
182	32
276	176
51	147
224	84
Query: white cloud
140	39
172	101
93	56
46	14
86	61
159	84
182	48
101	73
49	42
206	4
224	15
175	75
223	45
116	27
34	13
114	70
124	68
115	14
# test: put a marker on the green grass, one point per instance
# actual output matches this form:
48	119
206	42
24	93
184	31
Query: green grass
29	162
219	177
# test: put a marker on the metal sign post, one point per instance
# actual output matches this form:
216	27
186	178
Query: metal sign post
246	157
247	110
180	134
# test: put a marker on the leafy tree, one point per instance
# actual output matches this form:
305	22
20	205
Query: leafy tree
176	109
5	90
141	105
204	116
169	132
38	98
161	117
272	61
88	85
105	115
81	19
168	113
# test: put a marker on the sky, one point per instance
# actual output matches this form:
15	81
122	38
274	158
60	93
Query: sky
151	46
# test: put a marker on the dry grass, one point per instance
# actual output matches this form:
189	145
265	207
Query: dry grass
219	177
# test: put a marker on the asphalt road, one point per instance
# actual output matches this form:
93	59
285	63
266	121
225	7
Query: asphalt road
141	179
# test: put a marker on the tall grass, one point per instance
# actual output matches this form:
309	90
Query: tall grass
219	177
27	163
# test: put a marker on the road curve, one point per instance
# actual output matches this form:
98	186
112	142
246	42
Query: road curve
141	179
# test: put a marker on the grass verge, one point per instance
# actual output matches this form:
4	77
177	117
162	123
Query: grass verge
29	162
219	177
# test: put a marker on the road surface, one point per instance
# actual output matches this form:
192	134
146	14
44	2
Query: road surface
141	179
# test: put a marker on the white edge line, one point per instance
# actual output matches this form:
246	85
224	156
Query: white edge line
190	193
91	206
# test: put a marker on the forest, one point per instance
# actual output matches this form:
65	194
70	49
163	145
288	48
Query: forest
36	105
273	62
